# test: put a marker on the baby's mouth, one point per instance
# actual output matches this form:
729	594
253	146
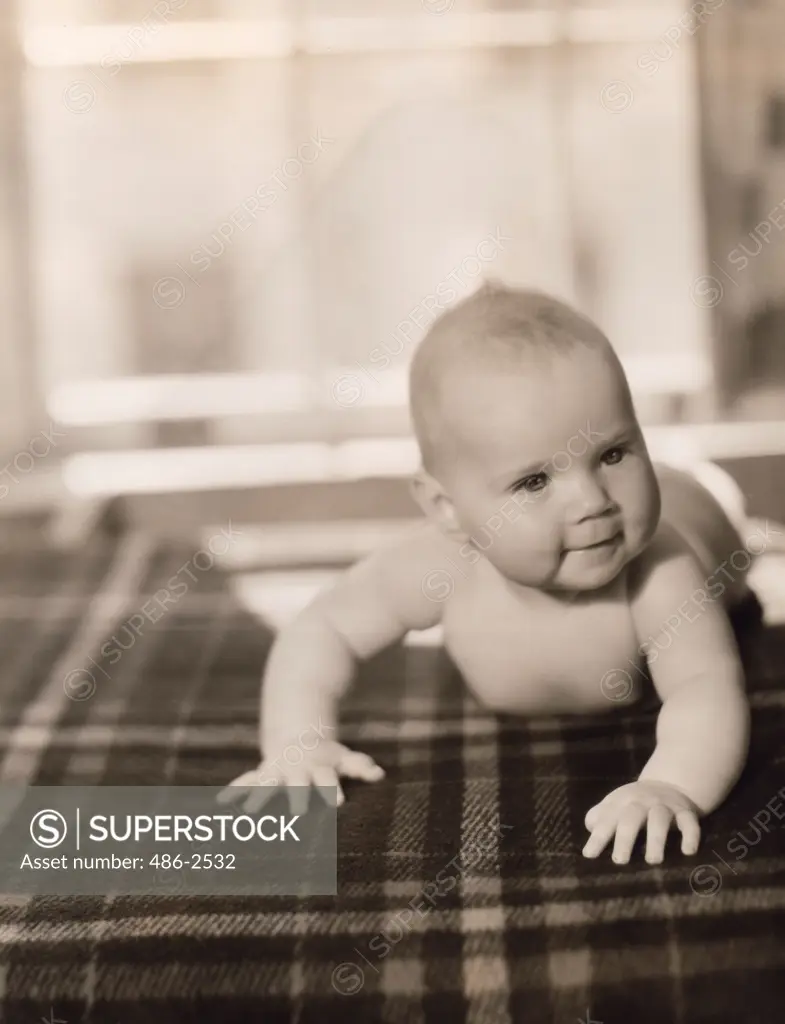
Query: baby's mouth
609	543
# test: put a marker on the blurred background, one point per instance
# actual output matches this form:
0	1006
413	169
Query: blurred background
225	224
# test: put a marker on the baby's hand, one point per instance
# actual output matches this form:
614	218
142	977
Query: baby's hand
319	767
645	803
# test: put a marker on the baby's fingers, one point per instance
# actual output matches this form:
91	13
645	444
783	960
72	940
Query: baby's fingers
298	781
660	818
355	765
327	778
260	787
687	823
234	789
260	794
632	817
600	837
593	816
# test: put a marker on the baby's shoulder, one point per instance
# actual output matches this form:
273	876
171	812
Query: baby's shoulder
665	558
418	548
412	574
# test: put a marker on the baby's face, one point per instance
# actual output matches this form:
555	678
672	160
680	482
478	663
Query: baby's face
551	478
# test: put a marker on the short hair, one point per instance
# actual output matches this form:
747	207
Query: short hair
497	325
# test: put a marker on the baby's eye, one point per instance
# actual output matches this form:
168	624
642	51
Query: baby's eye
534	483
613	456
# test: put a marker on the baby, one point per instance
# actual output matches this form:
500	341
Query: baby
556	558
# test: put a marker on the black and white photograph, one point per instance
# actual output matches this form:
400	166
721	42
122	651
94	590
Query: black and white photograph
392	511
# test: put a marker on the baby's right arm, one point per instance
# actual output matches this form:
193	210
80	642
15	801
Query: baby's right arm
313	660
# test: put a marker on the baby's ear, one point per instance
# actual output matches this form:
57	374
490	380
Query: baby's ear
436	504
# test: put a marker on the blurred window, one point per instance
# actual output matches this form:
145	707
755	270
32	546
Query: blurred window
294	189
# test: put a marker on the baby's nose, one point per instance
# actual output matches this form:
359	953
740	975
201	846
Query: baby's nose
592	498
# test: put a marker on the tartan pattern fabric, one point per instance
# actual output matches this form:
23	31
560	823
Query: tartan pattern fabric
463	895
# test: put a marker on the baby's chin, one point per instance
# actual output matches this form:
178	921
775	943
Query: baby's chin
589	571
570	584
584	585
584	572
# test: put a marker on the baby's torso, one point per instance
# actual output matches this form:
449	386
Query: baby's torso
520	653
523	654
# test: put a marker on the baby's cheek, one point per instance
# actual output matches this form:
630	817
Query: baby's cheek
530	546
647	515
648	495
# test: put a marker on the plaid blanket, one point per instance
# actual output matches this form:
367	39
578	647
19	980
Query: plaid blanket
463	895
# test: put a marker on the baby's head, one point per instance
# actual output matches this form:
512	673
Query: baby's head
531	449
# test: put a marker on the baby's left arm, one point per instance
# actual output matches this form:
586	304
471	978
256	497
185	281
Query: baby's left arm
703	725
